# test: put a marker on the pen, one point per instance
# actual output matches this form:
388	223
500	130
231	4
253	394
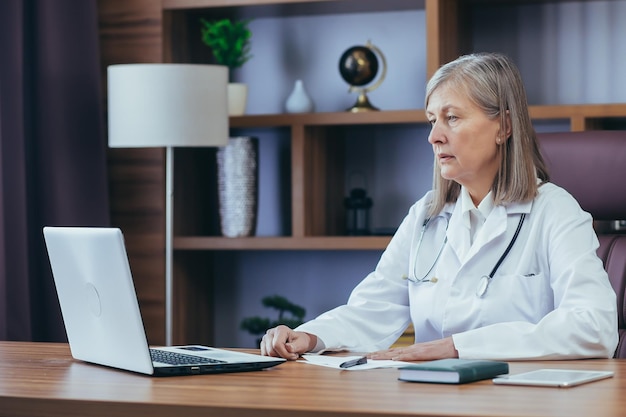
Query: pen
353	362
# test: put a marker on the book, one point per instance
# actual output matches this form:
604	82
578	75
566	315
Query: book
453	371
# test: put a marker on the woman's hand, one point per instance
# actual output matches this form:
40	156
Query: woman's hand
437	349
283	342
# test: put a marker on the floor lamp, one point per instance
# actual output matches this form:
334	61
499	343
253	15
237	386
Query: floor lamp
167	105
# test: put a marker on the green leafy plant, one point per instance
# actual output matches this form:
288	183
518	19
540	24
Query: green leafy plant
258	325
228	40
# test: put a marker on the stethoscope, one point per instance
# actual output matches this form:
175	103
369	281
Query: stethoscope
485	280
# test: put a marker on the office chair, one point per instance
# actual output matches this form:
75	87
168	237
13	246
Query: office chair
591	166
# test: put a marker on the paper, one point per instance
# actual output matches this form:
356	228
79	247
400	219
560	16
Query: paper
336	361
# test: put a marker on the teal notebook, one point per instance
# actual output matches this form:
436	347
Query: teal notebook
453	371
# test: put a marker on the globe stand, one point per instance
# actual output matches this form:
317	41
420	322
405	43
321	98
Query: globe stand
359	66
362	102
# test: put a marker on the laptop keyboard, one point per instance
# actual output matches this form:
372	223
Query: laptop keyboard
174	358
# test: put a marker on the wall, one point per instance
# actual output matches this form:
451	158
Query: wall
568	53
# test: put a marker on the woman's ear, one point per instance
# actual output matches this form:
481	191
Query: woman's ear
504	136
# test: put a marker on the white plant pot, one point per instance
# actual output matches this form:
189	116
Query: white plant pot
237	99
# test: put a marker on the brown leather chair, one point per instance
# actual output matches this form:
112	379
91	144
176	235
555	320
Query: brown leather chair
592	167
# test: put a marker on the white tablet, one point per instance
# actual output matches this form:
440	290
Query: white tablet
552	378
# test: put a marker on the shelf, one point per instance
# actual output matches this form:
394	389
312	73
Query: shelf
330	119
282	7
197	4
192	243
578	110
581	116
576	113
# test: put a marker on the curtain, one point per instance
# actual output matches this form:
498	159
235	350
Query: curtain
52	151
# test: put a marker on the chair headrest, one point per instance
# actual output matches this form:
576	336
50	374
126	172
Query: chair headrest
591	166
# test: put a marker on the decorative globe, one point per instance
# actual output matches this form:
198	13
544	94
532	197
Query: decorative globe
358	65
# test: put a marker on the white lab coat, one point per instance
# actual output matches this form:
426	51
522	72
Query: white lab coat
549	299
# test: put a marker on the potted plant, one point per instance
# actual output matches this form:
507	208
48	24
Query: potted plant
258	325
229	41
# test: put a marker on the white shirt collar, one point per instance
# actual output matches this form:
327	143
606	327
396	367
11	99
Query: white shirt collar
484	207
474	217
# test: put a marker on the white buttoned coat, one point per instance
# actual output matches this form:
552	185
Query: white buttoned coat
549	299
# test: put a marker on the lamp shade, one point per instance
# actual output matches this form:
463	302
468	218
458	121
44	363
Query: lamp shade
167	105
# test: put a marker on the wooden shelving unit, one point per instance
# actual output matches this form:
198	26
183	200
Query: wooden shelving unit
282	243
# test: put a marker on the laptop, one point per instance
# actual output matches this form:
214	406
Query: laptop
101	313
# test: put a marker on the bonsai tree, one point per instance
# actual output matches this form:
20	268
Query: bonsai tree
258	325
228	40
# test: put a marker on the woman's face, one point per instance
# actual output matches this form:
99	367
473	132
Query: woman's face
464	140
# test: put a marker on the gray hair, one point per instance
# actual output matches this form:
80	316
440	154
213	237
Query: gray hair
494	84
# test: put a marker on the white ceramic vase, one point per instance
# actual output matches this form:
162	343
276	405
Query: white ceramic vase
299	100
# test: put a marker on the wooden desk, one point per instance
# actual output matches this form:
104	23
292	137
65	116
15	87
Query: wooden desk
41	379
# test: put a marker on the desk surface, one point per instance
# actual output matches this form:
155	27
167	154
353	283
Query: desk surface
41	379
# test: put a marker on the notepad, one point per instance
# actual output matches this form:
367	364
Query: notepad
336	361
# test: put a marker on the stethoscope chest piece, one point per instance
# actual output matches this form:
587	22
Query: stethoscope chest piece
483	284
